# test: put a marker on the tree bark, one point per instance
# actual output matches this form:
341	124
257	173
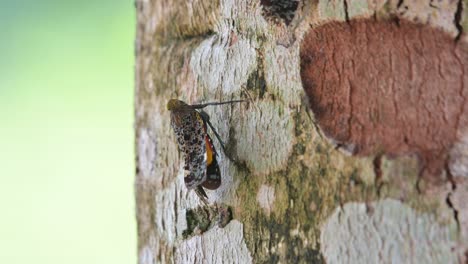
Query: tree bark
352	147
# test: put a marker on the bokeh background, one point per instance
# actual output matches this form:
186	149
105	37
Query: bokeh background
66	131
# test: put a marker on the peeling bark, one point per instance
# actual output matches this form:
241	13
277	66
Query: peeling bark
314	175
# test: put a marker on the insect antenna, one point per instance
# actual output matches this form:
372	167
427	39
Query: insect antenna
199	106
217	136
206	119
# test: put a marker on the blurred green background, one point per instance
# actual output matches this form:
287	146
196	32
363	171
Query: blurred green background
66	136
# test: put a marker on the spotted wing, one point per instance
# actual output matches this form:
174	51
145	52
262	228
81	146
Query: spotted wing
190	133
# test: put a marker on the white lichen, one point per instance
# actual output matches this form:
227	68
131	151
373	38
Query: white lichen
436	13
217	245
288	85
265	137
386	231
222	68
146	152
146	256
458	163
266	198
171	205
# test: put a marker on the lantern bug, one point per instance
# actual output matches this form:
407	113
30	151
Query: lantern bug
190	127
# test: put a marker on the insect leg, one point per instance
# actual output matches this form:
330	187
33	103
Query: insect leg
201	194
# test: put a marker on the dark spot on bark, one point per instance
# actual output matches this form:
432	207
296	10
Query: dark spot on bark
322	171
400	2
296	252
355	179
137	168
256	81
197	219
314	255
388	89
202	218
225	216
299	148
274	258
280	9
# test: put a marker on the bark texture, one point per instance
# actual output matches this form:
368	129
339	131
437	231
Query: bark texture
353	147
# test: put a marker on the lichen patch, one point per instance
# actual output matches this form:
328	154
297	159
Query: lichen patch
458	199
391	230
222	69
217	245
146	256
265	137
146	153
458	164
287	85
437	13
266	198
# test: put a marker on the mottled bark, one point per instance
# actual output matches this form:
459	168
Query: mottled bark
353	147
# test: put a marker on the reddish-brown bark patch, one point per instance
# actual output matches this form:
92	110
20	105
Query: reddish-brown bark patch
381	87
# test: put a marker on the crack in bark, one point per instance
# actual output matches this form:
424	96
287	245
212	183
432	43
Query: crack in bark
350	102
431	4
377	164
345	7
400	3
455	211
392	87
448	198
457	19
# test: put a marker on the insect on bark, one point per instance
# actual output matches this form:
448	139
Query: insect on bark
190	127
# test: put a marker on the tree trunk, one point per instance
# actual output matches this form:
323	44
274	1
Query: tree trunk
352	147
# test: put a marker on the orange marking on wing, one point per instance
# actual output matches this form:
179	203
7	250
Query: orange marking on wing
209	152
